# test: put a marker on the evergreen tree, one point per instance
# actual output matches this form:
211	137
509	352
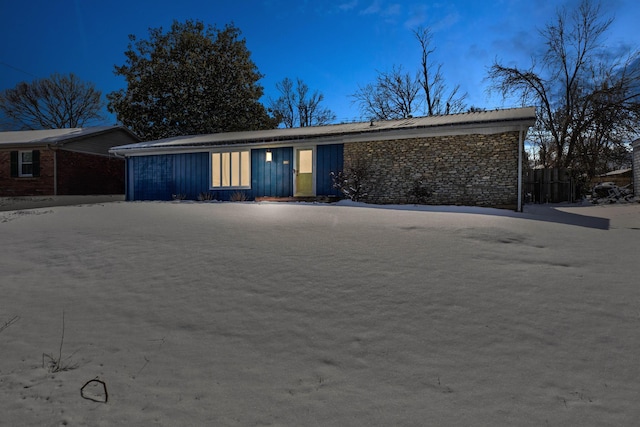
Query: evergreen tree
193	79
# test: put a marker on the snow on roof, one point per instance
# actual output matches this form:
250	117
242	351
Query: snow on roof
50	136
524	116
617	172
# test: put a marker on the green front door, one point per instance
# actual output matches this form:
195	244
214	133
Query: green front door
304	172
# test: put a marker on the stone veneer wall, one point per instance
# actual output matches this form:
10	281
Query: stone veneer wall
471	170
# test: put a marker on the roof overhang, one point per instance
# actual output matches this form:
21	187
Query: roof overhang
55	138
461	124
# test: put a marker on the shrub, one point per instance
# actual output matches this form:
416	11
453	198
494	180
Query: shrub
57	364
351	182
238	196
420	192
204	196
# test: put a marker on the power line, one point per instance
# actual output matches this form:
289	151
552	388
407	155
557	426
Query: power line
17	69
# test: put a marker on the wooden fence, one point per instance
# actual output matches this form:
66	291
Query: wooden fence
549	186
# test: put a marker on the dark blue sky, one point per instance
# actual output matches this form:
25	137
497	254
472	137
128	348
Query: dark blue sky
332	45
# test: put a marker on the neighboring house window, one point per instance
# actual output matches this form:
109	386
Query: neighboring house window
25	164
231	169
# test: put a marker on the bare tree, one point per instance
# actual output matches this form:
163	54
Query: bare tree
298	106
310	113
55	102
588	98
285	106
373	101
394	95
433	83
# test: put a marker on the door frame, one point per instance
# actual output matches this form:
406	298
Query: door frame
296	149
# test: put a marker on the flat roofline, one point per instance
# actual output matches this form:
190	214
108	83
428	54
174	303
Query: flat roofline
203	143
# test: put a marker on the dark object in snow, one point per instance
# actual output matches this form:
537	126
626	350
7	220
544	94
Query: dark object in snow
9	322
351	181
350	184
95	390
420	193
609	192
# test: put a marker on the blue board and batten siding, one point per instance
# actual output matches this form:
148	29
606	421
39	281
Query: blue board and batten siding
329	158
160	177
274	178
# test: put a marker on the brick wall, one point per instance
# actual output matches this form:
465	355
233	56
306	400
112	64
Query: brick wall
37	186
86	174
78	174
472	170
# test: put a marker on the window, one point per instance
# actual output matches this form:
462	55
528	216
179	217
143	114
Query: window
25	163
231	169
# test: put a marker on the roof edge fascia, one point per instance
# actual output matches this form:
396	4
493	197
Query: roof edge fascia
467	128
22	146
59	141
102	131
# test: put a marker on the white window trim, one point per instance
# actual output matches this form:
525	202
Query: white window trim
231	170
20	164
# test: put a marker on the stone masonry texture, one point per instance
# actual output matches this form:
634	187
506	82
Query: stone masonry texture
470	170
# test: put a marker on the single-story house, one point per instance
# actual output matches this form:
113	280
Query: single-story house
464	159
72	161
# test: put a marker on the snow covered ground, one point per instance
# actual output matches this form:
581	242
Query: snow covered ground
31	202
330	315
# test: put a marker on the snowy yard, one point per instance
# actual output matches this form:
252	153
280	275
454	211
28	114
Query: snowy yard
330	315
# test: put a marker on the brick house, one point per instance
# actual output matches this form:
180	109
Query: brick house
463	159
74	161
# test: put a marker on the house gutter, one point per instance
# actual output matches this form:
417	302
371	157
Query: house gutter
520	160
55	169
127	190
55	172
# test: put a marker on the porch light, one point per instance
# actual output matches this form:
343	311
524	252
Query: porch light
269	156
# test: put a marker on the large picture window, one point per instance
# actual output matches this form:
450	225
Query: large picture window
231	169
